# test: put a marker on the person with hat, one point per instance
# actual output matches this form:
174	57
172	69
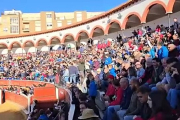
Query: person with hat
88	114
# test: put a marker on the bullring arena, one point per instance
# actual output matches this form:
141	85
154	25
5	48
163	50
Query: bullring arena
120	20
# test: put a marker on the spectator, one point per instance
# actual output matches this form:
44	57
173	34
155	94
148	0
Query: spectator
160	107
162	50
88	114
42	116
134	106
145	111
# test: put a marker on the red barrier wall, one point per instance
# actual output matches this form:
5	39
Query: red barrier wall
63	95
46	96
19	99
24	83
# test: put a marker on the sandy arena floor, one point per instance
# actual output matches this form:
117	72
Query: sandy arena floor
11	111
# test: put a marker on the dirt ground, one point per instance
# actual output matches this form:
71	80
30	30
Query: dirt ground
11	111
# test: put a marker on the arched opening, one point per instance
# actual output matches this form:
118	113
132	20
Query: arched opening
68	38
3	46
113	27
155	11
82	35
41	42
132	21
28	44
15	45
54	41
16	48
97	31
176	7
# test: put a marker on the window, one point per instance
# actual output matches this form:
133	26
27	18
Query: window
14	21
48	16
14	29
61	18
5	29
49	24
37	23
79	15
37	28
59	24
69	22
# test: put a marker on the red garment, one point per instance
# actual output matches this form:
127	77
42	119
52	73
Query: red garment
99	46
110	90
130	45
158	30
45	75
140	47
159	116
104	45
51	59
109	43
111	77
119	96
140	33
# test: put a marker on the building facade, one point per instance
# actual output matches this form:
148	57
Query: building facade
123	20
16	22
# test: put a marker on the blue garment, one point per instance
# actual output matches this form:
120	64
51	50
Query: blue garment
91	62
59	60
92	88
37	74
1	69
172	97
162	52
101	76
43	117
126	98
42	78
81	49
128	52
112	71
178	47
110	111
108	61
152	53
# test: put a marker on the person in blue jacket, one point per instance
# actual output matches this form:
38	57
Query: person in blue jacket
92	87
112	71
152	52
108	60
162	51
42	116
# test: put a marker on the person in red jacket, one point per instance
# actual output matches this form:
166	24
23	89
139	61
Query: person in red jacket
112	106
161	109
110	90
117	98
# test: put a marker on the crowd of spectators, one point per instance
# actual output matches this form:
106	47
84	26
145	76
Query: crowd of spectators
130	78
134	78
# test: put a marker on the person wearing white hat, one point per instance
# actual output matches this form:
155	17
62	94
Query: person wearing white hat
88	114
